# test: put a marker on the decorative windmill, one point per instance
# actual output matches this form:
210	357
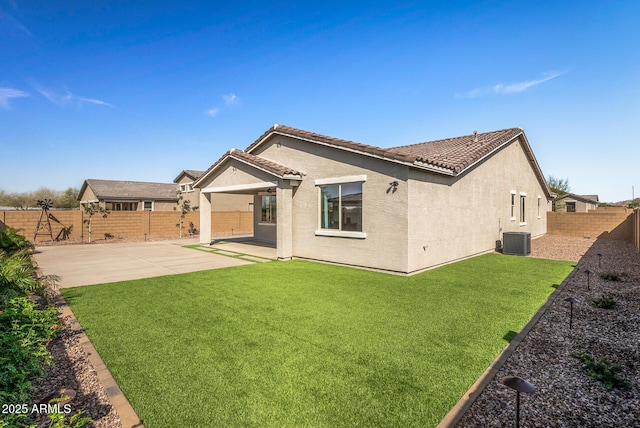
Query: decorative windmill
44	224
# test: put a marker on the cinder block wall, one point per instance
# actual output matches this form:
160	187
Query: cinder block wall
72	225
636	228
611	223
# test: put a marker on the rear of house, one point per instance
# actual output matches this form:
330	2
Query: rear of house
402	209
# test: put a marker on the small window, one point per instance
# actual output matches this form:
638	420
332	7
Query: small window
121	206
571	207
539	205
269	213
523	199
513	206
148	205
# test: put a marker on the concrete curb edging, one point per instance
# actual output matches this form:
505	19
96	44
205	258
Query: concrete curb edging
469	397
128	416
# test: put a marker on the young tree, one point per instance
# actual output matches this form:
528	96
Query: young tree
185	207
91	209
559	186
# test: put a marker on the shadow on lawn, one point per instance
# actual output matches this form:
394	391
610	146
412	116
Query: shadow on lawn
509	336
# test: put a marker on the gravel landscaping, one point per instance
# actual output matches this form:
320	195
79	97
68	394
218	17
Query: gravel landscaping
566	395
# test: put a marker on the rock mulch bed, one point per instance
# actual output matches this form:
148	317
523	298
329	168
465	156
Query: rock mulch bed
566	395
71	369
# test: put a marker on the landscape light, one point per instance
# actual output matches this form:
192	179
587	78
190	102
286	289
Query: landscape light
519	385
589	272
571	300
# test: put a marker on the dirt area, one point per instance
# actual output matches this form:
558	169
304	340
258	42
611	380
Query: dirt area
560	247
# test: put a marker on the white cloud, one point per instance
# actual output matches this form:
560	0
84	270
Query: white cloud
229	100
6	94
66	98
511	88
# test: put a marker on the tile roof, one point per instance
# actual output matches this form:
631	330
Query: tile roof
593	199
456	154
190	173
450	156
262	163
331	141
253	160
131	190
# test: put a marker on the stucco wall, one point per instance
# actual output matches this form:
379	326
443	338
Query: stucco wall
456	217
384	213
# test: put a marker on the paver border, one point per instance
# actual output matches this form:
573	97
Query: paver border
128	417
468	398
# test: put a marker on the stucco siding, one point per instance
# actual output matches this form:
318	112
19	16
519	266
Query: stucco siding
384	215
456	217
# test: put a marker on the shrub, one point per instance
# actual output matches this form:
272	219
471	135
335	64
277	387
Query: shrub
604	302
610	276
11	241
600	370
25	332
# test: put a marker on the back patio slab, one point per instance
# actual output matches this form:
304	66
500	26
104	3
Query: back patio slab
101	263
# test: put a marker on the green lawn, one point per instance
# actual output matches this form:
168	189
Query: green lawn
307	344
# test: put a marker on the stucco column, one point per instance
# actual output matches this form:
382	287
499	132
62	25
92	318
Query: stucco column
284	236
205	218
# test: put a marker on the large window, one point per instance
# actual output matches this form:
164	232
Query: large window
341	207
269	213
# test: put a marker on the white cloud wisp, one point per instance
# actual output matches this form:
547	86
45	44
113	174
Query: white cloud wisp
67	98
7	94
511	88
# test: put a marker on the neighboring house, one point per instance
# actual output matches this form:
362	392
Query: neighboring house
401	209
116	195
119	195
185	181
573	203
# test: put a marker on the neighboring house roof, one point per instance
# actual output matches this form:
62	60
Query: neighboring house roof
590	199
190	173
451	156
130	190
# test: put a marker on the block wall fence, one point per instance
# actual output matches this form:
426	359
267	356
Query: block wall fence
636	228
70	225
610	222
604	222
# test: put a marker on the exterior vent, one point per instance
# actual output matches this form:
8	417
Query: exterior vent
516	243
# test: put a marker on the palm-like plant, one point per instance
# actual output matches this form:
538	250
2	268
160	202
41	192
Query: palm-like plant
18	275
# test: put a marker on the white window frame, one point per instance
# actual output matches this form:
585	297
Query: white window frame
338	181
539	206
513	205
523	208
152	205
274	221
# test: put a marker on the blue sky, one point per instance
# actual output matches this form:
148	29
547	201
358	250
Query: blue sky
140	90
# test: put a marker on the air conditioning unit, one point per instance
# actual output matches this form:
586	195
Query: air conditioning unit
516	243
